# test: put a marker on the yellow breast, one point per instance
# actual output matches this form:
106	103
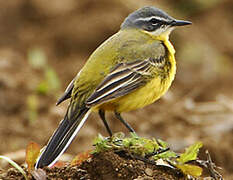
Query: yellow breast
150	92
146	95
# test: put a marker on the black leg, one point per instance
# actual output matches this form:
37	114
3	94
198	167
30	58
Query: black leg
102	116
118	116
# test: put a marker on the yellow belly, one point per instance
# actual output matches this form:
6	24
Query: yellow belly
139	98
145	95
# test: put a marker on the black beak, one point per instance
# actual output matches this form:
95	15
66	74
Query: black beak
180	23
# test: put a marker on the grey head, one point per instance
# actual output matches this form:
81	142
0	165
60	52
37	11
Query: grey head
152	19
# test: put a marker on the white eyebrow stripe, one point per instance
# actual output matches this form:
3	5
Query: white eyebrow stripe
149	18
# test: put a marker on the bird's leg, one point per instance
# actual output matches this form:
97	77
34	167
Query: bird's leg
118	116
102	116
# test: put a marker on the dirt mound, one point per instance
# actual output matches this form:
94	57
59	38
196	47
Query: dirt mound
106	165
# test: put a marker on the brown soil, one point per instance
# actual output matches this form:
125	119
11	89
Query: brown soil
106	166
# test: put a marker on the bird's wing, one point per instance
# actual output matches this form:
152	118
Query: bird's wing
67	93
123	79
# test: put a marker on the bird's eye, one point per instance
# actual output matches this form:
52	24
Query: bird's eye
155	21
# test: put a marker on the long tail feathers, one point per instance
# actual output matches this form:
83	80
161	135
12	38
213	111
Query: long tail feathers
61	139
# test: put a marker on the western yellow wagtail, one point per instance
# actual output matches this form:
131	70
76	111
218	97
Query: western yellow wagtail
130	70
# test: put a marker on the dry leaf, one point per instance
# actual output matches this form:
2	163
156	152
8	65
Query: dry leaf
32	152
81	157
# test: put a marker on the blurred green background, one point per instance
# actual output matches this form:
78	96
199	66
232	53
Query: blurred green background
43	44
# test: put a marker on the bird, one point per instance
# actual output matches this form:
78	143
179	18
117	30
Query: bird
131	69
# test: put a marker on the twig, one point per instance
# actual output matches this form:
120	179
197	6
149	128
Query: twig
159	151
211	167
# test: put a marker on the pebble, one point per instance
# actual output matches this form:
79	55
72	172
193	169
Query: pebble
149	172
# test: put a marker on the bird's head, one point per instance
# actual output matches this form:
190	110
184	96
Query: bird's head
153	20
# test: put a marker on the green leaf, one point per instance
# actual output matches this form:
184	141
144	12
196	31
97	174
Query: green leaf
165	155
134	135
142	146
190	153
189	169
101	144
162	143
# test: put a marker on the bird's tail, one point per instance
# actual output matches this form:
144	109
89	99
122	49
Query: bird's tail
61	139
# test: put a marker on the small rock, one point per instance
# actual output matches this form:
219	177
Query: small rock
39	174
149	172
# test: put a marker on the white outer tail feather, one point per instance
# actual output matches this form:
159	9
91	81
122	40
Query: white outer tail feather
68	143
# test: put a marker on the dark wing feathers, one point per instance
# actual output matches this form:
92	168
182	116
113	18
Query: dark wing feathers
67	93
123	79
